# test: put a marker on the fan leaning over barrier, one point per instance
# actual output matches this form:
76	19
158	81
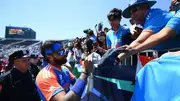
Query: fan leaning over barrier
160	28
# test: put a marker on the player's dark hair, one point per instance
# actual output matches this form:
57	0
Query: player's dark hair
115	14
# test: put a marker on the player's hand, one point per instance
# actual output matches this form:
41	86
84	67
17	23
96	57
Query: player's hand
87	65
128	52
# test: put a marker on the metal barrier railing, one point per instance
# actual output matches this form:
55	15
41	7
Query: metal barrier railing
132	60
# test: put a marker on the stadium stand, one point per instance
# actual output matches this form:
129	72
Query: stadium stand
8	45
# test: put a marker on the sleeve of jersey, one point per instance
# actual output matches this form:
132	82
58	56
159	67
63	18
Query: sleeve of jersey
48	87
155	22
108	42
174	22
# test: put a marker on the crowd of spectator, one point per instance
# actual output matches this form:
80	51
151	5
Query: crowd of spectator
62	73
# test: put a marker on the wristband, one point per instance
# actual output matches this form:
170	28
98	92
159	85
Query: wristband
78	87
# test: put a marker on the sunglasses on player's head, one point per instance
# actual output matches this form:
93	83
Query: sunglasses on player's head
57	48
60	52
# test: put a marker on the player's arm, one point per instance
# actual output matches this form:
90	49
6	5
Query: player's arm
78	88
71	95
156	39
142	37
50	90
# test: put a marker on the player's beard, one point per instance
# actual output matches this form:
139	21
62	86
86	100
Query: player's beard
60	61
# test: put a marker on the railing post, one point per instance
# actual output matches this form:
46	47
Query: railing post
131	60
125	61
146	53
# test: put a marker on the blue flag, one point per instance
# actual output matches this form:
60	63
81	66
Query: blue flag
159	80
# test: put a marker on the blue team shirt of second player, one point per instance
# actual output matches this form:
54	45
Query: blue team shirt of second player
114	40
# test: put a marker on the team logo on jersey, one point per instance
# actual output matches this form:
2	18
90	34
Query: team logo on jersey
60	79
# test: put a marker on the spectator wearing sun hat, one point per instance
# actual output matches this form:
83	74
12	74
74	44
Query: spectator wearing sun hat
160	28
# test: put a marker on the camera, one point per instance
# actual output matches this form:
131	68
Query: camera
88	31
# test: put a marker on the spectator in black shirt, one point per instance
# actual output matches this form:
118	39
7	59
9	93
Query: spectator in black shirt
18	84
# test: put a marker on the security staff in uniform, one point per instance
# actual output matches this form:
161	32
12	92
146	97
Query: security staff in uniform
18	84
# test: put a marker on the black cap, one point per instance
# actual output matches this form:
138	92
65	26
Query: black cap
19	54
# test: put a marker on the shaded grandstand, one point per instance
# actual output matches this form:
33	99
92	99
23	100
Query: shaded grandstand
8	45
19	38
7	41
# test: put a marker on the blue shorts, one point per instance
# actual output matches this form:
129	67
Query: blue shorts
174	22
